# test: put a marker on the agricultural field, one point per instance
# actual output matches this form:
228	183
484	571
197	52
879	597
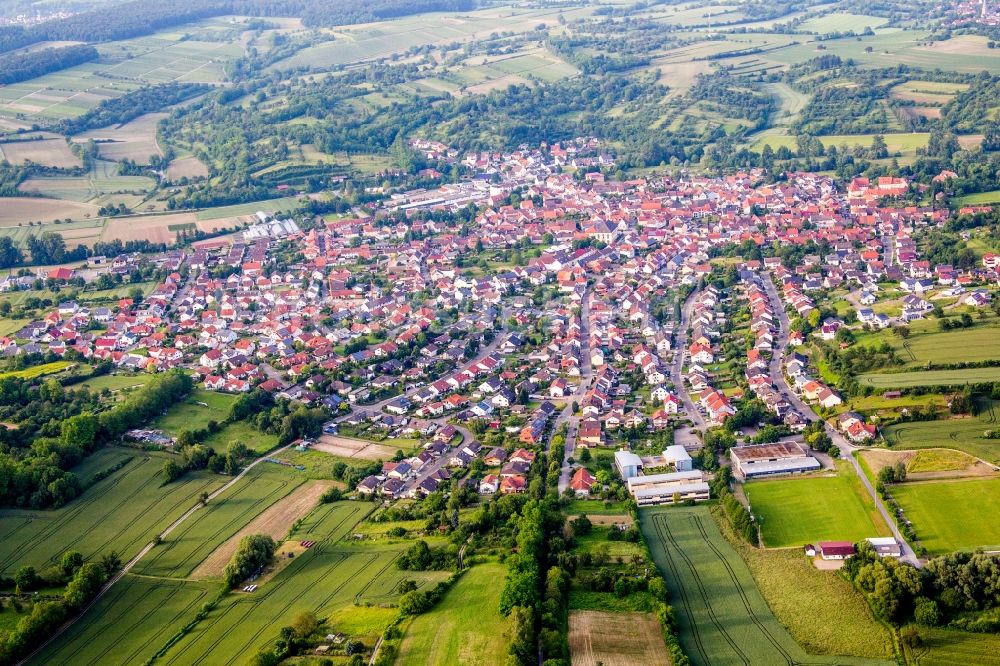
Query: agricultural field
194	413
133	620
330	576
978	199
723	617
135	140
842	22
615	639
465	627
210	529
122	513
795	511
941	647
926	463
347	447
843	625
18	211
962	433
930	378
51	151
186	167
952	515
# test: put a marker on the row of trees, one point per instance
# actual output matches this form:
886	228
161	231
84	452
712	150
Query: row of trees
24	65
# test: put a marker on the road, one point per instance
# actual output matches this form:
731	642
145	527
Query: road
145	551
676	374
847	449
586	379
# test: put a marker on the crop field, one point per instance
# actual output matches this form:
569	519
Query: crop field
722	615
796	511
615	639
981	343
465	627
954	514
133	620
325	578
347	447
842	22
926	463
275	522
842	625
241	210
187	167
947	647
161	228
122	513
930	378
904	143
135	140
52	152
38	370
198	537
964	434
16	211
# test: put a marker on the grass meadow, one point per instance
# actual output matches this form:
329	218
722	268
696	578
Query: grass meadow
952	515
795	511
465	627
842	625
722	614
940	647
122	513
964	434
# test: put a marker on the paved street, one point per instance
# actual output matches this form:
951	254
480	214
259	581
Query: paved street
846	448
676	375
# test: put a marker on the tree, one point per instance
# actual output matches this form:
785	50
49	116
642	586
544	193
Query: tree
172	471
10	255
71	561
26	577
305	624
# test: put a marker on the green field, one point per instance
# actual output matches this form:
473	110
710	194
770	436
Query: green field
977	199
930	378
130	622
185	548
190	415
121	513
946	647
464	628
723	617
964	434
842	624
268	206
842	22
794	512
329	578
115	382
952	515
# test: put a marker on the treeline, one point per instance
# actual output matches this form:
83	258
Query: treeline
739	517
47	616
319	13
289	421
131	105
38	476
22	66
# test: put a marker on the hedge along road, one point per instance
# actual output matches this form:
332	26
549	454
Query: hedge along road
142	553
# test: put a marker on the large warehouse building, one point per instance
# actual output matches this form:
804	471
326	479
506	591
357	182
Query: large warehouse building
751	462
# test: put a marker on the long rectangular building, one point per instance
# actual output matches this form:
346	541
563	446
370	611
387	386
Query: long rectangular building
668	488
750	462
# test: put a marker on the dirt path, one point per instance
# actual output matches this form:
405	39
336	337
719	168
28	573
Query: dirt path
275	522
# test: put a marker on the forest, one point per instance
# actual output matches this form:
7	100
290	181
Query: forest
17	67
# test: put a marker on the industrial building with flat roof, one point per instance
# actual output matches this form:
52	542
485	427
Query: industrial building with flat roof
750	462
668	488
684	484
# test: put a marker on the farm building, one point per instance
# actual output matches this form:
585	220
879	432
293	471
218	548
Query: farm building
751	462
836	550
886	546
662	488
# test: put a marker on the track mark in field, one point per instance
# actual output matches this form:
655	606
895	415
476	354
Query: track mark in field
669	542
699	523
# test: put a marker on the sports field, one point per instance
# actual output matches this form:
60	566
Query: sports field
952	515
964	433
722	615
122	513
794	512
465	627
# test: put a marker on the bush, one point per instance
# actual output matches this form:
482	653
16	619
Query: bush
254	551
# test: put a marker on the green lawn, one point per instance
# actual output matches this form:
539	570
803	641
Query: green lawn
121	513
796	511
722	616
465	627
964	434
944	647
978	199
952	515
115	382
